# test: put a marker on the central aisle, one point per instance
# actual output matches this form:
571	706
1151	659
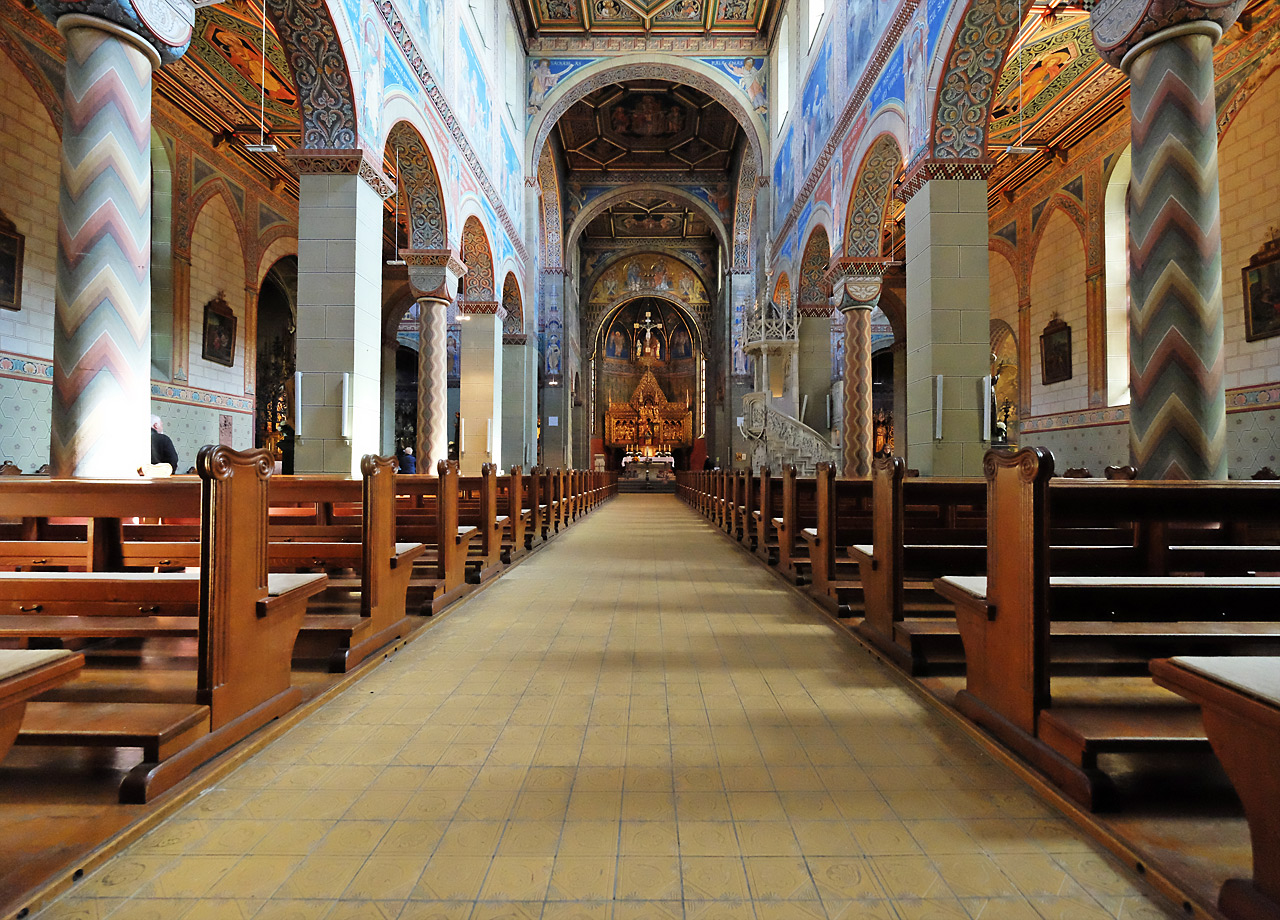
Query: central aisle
638	722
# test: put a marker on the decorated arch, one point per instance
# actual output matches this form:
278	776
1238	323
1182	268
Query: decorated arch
815	292
513	304
321	72
419	184
477	255
864	222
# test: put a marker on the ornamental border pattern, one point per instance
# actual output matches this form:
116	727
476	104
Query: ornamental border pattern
420	69
1239	399
25	367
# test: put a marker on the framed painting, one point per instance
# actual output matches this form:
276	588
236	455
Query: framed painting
1055	352
219	332
1262	293
12	244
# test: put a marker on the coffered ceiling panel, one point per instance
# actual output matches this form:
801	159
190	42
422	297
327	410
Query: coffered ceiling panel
734	17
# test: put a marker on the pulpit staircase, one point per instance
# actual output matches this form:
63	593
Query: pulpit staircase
777	439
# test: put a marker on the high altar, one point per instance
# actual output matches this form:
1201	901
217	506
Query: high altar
649	424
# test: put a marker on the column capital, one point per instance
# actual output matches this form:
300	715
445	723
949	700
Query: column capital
515	338
433	273
1122	27
856	283
927	169
164	26
355	161
482	308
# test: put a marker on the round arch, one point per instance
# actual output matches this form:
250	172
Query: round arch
977	35
607	200
689	315
477	255
318	63
814	292
592	316
274	249
637	67
872	186
513	303
420	180
782	291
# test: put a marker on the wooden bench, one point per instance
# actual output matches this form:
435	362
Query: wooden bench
244	623
1017	621
1239	699
427	512
799	511
842	518
26	673
767	507
478	508
511	505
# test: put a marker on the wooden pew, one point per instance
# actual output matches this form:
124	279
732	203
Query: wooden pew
244	620
427	512
768	505
842	518
921	528
535	500
519	517
749	492
478	508
1239	699
26	673
798	512
1013	620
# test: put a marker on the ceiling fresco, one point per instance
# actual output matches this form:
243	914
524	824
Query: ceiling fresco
217	81
648	125
601	17
1054	90
648	218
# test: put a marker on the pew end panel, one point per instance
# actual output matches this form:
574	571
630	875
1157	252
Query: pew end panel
25	674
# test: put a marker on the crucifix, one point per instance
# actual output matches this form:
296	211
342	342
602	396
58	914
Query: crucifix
648	325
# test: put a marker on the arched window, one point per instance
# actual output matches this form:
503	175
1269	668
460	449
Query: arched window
816	9
782	72
1116	249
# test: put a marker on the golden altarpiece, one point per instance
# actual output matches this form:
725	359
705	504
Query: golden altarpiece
648	425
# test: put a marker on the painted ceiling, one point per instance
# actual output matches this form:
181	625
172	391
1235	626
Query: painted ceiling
601	17
1054	90
648	218
219	81
648	125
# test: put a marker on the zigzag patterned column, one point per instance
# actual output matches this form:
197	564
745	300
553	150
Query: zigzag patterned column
433	383
1178	414
856	298
102	306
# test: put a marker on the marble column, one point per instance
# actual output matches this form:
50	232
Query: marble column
856	294
102	304
480	398
339	308
433	276
1178	411
948	318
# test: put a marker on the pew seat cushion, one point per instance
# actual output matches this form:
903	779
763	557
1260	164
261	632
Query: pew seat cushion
18	661
1255	676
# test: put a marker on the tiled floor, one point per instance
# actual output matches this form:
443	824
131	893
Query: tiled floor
639	722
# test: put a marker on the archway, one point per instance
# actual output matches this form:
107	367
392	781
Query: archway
418	187
647	380
274	421
814	314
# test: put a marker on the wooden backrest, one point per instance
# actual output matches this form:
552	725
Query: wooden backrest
233	561
764	496
1018	573
1120	472
378	526
447	498
887	517
825	518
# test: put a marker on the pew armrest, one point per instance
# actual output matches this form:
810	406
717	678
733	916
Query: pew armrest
967	592
406	553
285	590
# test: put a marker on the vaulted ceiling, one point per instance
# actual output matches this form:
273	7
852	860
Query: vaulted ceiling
648	125
648	218
609	17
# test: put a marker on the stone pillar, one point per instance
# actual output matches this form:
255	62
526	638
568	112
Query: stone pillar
339	308
387	428
555	403
181	316
813	368
948	318
480	399
856	293
433	276
102	306
515	400
1178	412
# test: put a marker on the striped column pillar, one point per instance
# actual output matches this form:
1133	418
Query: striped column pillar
1178	413
102	295
855	287
433	275
102	304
